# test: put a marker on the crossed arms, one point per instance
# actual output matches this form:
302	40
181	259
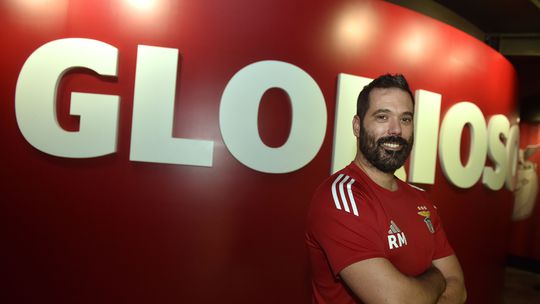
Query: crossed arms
378	281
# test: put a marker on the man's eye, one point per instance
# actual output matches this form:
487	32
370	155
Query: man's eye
381	117
406	119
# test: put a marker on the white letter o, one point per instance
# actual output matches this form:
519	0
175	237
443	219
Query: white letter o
239	112
450	144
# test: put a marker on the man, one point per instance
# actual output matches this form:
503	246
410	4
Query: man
371	237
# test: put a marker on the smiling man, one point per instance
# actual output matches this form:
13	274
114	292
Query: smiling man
371	237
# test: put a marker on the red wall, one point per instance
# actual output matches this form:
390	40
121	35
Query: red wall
109	230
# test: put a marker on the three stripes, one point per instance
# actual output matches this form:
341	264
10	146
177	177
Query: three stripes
338	186
393	228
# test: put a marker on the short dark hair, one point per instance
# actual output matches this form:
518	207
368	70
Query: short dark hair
384	82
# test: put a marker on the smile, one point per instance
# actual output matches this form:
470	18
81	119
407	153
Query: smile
391	146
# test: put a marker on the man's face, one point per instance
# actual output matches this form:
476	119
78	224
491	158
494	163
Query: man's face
386	132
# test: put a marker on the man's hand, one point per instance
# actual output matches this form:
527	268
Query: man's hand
378	281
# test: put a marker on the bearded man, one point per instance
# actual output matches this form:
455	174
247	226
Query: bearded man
371	237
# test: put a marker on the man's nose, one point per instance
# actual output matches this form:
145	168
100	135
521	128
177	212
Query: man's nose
394	127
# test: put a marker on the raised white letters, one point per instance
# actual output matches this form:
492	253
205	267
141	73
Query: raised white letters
35	99
494	178
153	108
426	123
153	105
456	118
239	111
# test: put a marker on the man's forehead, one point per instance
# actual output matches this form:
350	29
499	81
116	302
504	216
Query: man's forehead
390	99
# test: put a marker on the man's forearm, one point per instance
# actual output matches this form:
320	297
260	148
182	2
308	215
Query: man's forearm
455	292
433	284
378	281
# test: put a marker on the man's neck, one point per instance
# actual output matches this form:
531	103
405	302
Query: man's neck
383	179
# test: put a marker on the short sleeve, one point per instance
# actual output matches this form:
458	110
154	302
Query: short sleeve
442	246
344	237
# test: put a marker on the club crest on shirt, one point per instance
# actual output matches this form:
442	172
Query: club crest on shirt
424	211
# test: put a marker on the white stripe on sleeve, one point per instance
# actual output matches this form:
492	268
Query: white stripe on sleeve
342	193
351	197
334	194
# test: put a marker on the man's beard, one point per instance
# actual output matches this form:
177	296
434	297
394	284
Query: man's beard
387	161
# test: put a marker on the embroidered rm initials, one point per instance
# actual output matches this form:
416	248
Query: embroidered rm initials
397	240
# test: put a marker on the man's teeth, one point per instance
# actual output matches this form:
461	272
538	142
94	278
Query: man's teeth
392	145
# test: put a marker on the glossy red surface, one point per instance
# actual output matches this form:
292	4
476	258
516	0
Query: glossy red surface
108	230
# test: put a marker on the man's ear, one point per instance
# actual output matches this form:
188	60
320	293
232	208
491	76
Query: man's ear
356	125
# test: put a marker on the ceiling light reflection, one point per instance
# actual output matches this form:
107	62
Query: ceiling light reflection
356	28
41	14
416	40
142	4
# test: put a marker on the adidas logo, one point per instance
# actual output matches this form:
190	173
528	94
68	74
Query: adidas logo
396	238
